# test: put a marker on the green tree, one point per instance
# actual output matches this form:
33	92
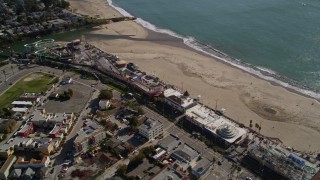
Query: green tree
140	111
31	6
47	3
105	94
103	122
64	4
147	150
122	170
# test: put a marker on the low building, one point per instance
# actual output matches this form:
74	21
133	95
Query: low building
216	127
185	157
282	162
22	104
8	148
22	163
38	145
42	119
89	136
151	128
148	84
169	174
45	145
121	64
159	154
15	174
104	104
5	169
33	97
177	100
28	174
56	130
20	110
26	130
106	159
169	143
202	168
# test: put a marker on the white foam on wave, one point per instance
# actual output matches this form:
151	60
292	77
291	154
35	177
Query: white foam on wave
266	70
119	9
193	43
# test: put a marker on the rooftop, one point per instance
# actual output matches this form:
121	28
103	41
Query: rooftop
25	127
186	153
287	163
150	124
169	142
22	103
15	141
202	165
8	162
168	174
55	129
88	131
219	125
175	95
24	110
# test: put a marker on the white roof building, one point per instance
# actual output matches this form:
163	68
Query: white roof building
151	128
23	110
25	103
219	126
178	100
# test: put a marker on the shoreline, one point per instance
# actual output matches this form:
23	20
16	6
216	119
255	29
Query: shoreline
177	42
245	95
273	78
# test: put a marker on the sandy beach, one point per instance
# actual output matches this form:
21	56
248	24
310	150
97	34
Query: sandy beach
283	114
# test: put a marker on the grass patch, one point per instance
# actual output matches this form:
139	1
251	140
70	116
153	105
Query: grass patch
33	83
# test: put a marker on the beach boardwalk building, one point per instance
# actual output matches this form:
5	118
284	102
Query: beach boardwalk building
177	100
218	128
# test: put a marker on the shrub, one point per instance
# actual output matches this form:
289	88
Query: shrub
105	94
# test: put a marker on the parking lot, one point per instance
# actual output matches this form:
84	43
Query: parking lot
75	104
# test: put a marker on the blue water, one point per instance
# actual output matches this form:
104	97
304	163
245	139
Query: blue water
279	35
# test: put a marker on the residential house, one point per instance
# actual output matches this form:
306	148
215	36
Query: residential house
202	168
169	143
185	157
104	104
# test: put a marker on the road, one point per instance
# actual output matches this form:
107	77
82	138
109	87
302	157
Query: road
68	146
14	75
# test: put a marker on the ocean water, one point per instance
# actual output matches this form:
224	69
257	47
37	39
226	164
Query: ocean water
277	40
